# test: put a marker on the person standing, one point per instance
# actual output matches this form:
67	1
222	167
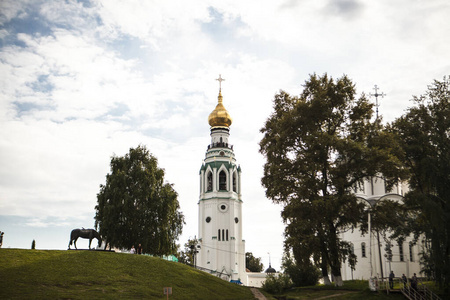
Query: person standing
414	282
1	239
405	280
139	249
391	280
133	251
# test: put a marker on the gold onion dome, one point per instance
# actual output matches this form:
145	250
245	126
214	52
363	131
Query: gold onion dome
219	117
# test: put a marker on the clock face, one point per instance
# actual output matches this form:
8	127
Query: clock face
222	153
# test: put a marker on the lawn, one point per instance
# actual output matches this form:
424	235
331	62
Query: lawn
52	274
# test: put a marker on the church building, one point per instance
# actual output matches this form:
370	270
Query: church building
222	248
376	255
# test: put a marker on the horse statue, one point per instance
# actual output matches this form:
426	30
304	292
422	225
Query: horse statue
85	234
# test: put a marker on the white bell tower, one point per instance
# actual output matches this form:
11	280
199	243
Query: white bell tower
222	249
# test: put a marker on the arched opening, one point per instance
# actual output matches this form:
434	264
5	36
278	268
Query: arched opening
222	181
209	182
234	182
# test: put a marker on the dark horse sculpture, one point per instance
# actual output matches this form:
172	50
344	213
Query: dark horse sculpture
85	234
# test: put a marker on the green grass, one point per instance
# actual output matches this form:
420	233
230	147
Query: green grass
352	289
51	274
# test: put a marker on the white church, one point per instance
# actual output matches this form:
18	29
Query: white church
222	247
221	244
370	249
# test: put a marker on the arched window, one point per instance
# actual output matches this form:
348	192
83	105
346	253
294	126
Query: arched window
234	182
222	181
411	254
209	182
363	249
218	233
400	251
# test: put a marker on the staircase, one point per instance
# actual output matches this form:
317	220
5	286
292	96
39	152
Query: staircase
421	293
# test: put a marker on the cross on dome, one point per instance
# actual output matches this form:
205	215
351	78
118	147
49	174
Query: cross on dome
220	79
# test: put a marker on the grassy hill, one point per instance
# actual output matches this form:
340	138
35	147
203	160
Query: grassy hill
51	274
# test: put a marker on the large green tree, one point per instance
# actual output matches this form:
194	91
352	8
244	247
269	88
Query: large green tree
318	147
252	263
136	205
424	132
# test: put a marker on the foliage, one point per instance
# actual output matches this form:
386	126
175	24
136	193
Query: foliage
424	132
136	206
33	244
190	251
301	274
276	283
252	263
318	147
53	274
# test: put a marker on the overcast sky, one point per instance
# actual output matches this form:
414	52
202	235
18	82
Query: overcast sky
82	81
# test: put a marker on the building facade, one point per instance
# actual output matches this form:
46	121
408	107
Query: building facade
373	259
222	248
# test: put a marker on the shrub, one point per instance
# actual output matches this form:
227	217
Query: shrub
277	283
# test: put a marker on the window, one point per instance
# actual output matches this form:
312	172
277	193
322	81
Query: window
223	235
411	254
352	248
363	249
218	233
234	182
209	182
222	181
400	251
227	234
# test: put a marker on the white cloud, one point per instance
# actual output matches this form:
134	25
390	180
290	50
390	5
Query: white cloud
87	81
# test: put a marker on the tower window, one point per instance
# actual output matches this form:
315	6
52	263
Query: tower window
222	181
363	249
234	182
227	234
223	234
209	182
400	251
218	233
411	254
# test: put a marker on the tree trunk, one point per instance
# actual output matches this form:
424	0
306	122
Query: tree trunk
338	280
326	280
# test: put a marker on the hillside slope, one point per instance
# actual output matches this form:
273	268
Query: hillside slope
51	274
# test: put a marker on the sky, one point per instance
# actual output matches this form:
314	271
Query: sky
81	81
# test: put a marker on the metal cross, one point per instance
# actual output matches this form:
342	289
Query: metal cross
220	79
376	98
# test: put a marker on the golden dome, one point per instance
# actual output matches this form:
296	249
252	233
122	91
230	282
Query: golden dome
219	117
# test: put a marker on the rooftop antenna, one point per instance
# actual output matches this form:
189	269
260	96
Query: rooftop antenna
376	98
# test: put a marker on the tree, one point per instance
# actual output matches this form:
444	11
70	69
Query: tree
136	205
33	244
252	263
302	273
318	147
424	132
191	249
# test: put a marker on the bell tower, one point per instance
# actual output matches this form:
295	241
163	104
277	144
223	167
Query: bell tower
222	249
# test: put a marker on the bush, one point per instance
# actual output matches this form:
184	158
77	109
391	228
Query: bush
304	274
276	284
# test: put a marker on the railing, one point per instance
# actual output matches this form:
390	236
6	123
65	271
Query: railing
220	145
420	292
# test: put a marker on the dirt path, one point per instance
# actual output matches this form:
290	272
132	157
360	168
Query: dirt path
258	295
335	295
